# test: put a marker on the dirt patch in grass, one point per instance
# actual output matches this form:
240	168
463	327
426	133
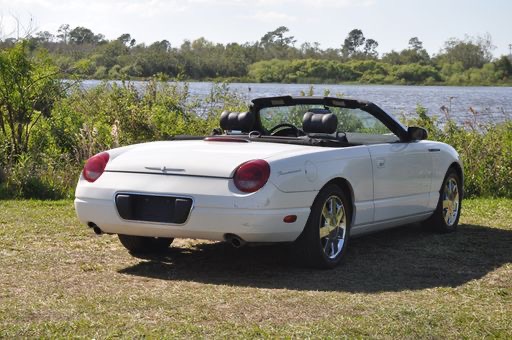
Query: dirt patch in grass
58	279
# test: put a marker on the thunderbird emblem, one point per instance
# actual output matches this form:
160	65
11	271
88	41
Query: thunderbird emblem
164	169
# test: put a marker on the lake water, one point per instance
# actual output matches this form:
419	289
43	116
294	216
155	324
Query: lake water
491	104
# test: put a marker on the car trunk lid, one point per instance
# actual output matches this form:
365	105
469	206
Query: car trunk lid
194	158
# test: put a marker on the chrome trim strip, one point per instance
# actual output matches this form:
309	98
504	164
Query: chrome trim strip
164	174
289	172
163	168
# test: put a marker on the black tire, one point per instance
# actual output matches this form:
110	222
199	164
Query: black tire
145	245
445	219
325	252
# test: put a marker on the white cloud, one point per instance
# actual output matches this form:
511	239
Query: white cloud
339	3
22	3
107	17
154	7
310	3
149	8
143	7
272	16
219	2
271	4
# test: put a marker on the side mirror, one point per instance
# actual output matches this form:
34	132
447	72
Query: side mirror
416	133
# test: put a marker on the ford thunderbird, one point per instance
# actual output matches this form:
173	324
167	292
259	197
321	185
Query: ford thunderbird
308	171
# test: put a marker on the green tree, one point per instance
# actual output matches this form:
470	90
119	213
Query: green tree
503	67
29	86
126	39
81	35
276	43
414	54
416	73
370	48
109	53
63	33
471	52
309	50
356	46
44	36
352	43
277	38
415	44
392	58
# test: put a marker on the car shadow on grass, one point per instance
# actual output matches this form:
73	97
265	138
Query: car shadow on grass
405	258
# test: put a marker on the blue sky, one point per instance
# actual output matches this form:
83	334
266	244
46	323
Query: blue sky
390	22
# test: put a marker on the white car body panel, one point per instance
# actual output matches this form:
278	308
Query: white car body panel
383	195
198	158
402	179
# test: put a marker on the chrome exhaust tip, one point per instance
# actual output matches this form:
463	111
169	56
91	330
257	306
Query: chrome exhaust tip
235	240
97	230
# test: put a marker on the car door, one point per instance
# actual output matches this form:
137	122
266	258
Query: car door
401	179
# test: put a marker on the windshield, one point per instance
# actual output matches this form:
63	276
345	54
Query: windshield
349	120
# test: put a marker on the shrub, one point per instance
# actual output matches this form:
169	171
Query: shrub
86	122
28	178
416	73
29	87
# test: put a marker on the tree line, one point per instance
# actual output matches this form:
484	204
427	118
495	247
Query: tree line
274	58
49	127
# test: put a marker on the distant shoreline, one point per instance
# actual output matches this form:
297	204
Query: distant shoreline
248	81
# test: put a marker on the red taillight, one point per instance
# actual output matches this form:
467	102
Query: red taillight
252	176
95	166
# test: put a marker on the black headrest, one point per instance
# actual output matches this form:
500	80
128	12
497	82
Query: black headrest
240	121
319	122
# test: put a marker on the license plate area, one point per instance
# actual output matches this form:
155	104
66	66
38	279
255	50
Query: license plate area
153	208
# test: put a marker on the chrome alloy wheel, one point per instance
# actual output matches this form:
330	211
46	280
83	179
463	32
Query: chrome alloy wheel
333	227
451	201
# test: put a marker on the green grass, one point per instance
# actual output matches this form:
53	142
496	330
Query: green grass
58	279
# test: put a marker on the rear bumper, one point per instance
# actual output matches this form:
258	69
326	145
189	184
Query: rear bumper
205	223
218	209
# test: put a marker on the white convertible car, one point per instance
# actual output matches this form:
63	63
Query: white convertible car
311	171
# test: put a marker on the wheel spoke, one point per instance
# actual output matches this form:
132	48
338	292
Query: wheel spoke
446	204
342	230
451	201
332	212
325	213
332	226
335	246
340	214
324	231
332	252
327	245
